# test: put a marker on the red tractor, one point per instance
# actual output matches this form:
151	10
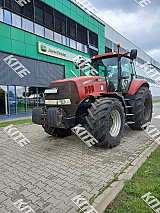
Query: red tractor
100	104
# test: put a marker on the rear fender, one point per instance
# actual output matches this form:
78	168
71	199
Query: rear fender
136	84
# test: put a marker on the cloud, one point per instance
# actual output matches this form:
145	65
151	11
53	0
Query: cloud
155	53
139	25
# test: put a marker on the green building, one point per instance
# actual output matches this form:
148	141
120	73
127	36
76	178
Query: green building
38	42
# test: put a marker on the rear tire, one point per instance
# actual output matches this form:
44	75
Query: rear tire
142	110
105	121
57	132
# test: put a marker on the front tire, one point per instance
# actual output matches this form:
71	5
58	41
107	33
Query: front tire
105	121
142	109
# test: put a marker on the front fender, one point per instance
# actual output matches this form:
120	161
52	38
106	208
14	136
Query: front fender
136	84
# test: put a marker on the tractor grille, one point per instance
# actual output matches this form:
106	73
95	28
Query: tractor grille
66	90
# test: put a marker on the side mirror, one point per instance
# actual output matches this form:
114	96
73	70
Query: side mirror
133	54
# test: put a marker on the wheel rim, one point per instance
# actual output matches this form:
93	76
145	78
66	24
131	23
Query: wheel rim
115	119
147	110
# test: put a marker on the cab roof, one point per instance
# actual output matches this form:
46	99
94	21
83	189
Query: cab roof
108	55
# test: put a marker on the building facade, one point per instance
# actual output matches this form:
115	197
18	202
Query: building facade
38	42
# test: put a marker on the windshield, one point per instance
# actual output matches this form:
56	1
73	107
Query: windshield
108	67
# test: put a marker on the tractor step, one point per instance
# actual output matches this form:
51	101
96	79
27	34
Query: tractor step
129	107
130	122
127	99
129	114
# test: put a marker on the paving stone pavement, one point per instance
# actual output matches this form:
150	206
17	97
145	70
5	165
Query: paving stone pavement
49	172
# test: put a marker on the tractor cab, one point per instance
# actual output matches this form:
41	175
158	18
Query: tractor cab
117	68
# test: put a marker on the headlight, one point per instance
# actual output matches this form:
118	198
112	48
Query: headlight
51	102
58	102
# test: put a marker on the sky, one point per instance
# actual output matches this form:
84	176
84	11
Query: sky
139	25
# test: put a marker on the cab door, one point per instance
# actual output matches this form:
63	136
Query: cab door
126	73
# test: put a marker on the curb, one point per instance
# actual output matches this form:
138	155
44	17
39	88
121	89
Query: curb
101	203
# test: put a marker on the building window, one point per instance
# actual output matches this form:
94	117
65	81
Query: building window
1	2
60	23
3	100
108	50
57	37
27	25
39	13
16	20
108	43
1	14
7	17
79	46
12	99
140	61
82	34
73	44
86	49
64	40
28	11
93	39
48	34
93	52
68	42
122	49
39	30
16	8
48	17
71	28
20	99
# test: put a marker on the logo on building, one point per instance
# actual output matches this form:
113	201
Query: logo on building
56	52
16	66
43	48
